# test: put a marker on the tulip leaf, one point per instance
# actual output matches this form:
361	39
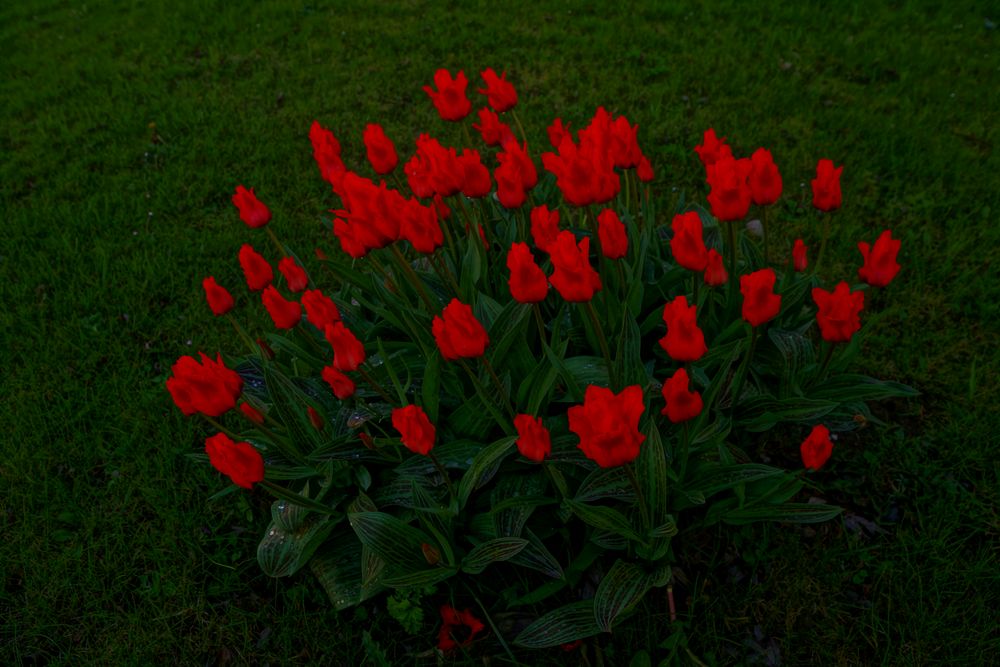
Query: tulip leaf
619	591
768	411
560	626
431	388
848	388
397	543
337	566
291	539
420	579
711	478
536	556
786	513
513	500
604	518
606	483
492	551
483	467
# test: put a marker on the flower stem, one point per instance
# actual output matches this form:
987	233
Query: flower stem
826	361
443	473
517	119
538	321
763	224
499	386
822	244
418	284
216	424
484	397
731	230
745	367
589	307
375	385
243	334
281	248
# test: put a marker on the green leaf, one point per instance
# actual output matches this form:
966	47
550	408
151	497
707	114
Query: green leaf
787	513
492	551
711	478
431	389
337	566
651	470
604	518
483	467
395	542
768	411
668	529
536	556
285	549
282	493
620	589
848	388
606	483
560	626
514	499
572	387
420	578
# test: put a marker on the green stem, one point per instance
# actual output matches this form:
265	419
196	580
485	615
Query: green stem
375	385
281	248
213	422
444	273
822	245
517	119
484	397
243	334
589	307
731	231
826	361
538	322
763	224
745	366
443	473
499	385
417	283
640	498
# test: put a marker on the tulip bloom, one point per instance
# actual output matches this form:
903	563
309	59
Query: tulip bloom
452	619
682	403
240	461
476	181
252	413
294	274
252	210
608	425
611	232
348	352
712	148
493	131
730	195
533	441
760	303
715	272
557	131
880	265
527	281
684	340
688	243
544	227
645	170
574	278
839	312
219	299
816	448
380	149
449	99
320	309
765	179
326	152
826	186
799	261
420	227
285	314
255	268
416	430
498	91
209	387
342	386
458	333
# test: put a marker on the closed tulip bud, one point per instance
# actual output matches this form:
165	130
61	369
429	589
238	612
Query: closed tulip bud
688	242
284	313
252	413
645	170
295	275
799	261
342	386
458	333
816	448
415	428
760	303
533	439
252	210
611	232
381	151
240	461
715	272
315	418
255	268
765	180
219	299
826	186
684	340
880	265
682	403
527	281
348	352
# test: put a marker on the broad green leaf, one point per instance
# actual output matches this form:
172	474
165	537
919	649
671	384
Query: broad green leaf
604	518
337	566
420	578
848	388
620	589
395	542
762	413
291	539
514	499
560	626
711	478
483	467
606	483
536	556
668	529
431	387
787	513
492	551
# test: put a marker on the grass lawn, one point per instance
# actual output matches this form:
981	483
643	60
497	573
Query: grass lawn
126	127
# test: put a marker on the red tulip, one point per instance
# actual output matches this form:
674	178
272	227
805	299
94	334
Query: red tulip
816	448
219	299
326	152
294	274
381	151
712	149
256	269
252	211
557	131
760	303
765	179
682	403
348	352
209	387
715	272
449	99
839	312
342	386
420	227
645	170
880	265
492	129
544	227
826	186
611	232
285	314
533	441
453	619
527	282
574	278
688	243
799	261
624	144
730	195
684	340
608	425
416	429
315	418
476	182
510	188
498	91
252	413
320	309
458	333
238	460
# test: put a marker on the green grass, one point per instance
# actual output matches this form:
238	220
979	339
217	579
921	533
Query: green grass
112	553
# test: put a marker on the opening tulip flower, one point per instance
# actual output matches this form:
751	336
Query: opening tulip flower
498	91
493	131
611	232
730	195
342	386
712	148
533	441
684	340
574	278
826	186
458	628
237	460
688	242
320	309
544	227
760	303
284	313
839	312
458	333
219	299
816	448
715	272
252	210
765	179
209	387
295	275
348	352
682	403
527	281
380	149
415	428
880	265
449	99
608	425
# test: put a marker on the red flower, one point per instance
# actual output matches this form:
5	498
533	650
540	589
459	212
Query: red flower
348	352
688	243
533	441
252	210
499	91
252	413
476	182
684	340
493	130
826	186
342	386
326	152
799	261
438	171
611	232
880	265
285	314
348	237
416	429
765	179
574	278
449	99
256	269
544	227
238	460
557	131
371	212
320	309
645	170
839	312
510	188
209	387
527	282
219	299
294	274
712	149
453	619
315	418
760	303
584	174
381	152
420	227
715	272
682	403
458	333
625	152
608	424
730	195
816	448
